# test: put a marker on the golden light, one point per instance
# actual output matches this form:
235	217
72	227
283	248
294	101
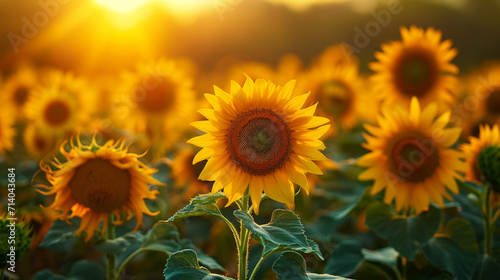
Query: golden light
122	6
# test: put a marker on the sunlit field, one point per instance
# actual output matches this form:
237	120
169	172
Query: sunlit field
250	139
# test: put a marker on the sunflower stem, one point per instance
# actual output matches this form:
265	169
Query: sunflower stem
110	257
244	237
488	225
257	266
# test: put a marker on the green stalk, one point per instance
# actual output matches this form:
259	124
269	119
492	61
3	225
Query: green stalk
110	257
243	246
257	266
488	225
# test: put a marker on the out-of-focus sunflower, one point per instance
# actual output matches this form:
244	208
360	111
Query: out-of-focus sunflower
7	131
41	221
96	182
484	94
37	144
335	55
337	89
62	106
185	174
417	66
259	137
411	157
18	88
488	136
157	100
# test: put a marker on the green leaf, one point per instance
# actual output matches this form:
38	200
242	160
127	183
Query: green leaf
349	256
359	203
405	234
454	250
119	244
201	205
81	270
86	270
487	269
61	236
184	265
283	232
162	238
292	266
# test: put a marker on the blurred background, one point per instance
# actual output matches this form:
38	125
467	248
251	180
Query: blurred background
102	36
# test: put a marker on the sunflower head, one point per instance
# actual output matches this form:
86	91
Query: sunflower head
98	181
411	157
7	131
259	138
419	65
489	164
18	88
488	136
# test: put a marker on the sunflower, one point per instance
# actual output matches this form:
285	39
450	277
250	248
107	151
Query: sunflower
488	136
411	157
335	55
37	144
18	88
156	100
259	138
185	174
63	105
97	181
7	131
337	91
484	94
418	66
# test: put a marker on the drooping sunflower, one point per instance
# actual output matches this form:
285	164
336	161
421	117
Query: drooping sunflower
97	181
419	65
411	157
7	131
488	136
62	105
156	100
18	87
258	137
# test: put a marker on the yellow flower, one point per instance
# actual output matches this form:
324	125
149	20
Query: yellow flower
488	136
418	66
411	157
259	137
18	88
97	181
483	100
157	100
337	91
185	174
7	131
37	144
62	106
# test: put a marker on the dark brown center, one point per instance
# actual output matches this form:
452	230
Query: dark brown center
493	102
101	186
412	157
21	95
335	97
158	96
415	73
259	141
57	112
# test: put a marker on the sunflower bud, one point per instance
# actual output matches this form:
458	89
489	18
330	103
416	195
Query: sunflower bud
489	164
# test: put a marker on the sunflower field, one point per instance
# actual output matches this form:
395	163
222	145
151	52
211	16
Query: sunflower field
250	139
